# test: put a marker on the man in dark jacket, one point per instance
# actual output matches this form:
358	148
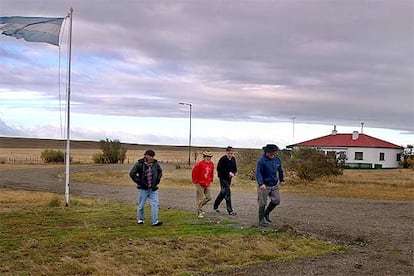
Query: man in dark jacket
226	170
147	173
268	173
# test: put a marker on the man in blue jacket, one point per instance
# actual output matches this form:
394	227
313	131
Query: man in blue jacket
268	173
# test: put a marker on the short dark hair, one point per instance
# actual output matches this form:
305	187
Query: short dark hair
229	148
150	153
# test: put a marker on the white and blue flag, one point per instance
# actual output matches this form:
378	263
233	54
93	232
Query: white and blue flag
32	29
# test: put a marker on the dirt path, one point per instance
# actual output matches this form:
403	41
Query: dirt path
380	233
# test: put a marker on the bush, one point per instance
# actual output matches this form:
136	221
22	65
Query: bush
408	162
309	163
98	158
112	152
247	160
52	156
246	163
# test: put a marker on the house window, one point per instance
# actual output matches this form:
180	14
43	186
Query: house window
399	157
382	156
359	156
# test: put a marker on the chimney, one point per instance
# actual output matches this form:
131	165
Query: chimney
334	132
355	135
362	127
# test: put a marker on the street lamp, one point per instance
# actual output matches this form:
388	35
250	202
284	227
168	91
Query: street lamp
189	138
293	134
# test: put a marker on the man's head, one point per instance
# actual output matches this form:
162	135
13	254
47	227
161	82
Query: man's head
229	152
271	150
207	155
149	155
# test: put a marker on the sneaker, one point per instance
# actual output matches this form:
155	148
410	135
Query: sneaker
232	214
263	223
159	223
266	216
140	221
200	215
216	210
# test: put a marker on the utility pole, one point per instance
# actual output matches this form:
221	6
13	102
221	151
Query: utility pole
293	129
189	136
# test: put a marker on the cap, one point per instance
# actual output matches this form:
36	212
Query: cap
270	148
149	152
207	153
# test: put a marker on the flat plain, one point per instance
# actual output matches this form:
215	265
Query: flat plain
378	232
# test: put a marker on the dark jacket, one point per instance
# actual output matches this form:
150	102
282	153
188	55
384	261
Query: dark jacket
137	174
225	166
269	171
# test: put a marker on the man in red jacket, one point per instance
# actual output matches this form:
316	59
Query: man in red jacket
202	176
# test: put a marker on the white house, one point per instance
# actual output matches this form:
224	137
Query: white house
360	150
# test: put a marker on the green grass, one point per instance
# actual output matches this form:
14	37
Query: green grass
38	236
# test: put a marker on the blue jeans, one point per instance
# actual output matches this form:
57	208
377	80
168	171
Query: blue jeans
153	201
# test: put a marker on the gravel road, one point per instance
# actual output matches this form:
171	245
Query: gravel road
380	233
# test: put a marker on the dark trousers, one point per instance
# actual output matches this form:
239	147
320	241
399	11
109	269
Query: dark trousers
225	193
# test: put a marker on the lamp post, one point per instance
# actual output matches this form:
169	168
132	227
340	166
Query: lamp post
293	129
189	137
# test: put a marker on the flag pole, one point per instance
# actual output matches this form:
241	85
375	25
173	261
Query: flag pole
67	156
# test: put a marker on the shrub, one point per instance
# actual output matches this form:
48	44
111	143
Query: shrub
247	160
98	158
408	162
310	163
112	152
246	163
52	156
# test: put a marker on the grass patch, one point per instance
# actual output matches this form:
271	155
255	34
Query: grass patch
39	236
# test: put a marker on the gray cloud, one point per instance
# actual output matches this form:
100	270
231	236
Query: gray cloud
6	130
329	62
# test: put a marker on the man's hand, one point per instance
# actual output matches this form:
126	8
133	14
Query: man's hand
282	183
263	187
231	174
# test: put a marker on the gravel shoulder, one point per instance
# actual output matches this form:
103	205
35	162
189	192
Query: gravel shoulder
380	233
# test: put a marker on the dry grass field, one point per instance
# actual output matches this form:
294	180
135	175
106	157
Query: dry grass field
389	184
368	184
98	235
28	151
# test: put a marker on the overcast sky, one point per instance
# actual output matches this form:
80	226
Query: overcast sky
247	67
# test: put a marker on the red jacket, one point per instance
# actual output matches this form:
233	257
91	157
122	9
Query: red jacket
203	173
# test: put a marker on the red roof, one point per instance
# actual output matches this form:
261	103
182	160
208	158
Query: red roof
345	140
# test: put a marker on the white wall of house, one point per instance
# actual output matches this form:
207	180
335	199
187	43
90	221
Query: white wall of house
369	155
372	155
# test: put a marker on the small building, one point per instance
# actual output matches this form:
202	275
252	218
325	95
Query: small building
358	150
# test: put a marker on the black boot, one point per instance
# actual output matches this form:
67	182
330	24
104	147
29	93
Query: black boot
269	209
262	221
